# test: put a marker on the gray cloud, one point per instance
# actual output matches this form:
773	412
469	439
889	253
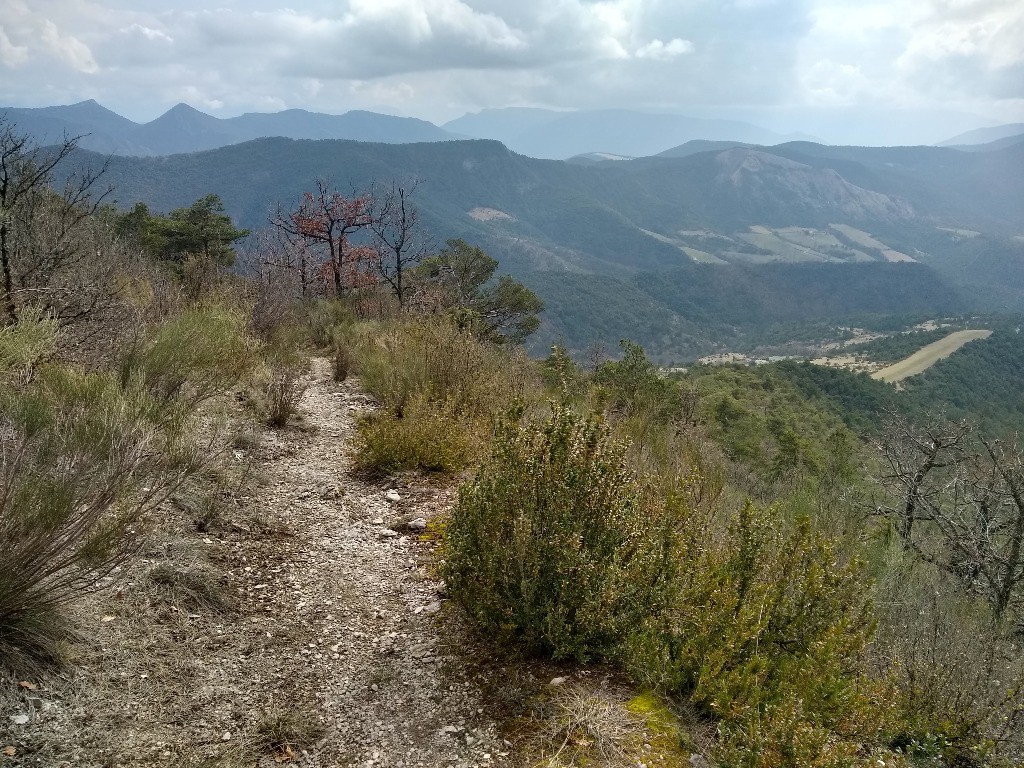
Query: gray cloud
439	58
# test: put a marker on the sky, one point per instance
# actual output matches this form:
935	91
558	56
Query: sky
877	71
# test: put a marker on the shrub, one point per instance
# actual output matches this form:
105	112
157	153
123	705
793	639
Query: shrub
765	632
960	681
428	437
82	459
433	377
193	356
634	386
342	358
552	544
85	455
323	317
435	360
286	366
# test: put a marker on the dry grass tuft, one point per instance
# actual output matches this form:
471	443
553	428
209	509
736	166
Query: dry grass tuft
192	587
586	726
285	733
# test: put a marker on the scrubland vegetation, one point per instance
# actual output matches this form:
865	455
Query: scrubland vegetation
722	538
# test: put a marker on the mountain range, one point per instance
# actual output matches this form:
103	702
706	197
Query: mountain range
587	135
185	129
678	253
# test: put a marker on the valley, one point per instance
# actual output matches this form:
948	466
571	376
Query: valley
685	255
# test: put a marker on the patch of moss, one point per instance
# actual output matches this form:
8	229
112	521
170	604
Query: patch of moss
669	740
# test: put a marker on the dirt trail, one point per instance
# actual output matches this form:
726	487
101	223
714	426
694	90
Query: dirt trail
335	623
392	694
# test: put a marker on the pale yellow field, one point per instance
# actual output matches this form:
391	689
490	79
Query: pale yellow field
926	357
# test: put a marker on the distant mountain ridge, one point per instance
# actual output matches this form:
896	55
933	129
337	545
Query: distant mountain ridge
556	135
186	129
984	135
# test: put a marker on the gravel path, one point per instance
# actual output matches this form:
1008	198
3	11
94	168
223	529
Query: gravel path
393	693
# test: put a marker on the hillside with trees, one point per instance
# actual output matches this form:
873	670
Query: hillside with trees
750	213
303	496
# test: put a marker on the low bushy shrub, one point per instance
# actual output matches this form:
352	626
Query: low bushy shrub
433	359
86	454
440	388
430	437
553	544
81	460
765	632
286	364
193	356
959	679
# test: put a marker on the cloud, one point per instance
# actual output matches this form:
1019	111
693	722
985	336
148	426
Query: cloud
69	48
439	58
660	51
11	55
149	33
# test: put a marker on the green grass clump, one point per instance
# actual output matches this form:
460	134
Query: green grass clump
440	388
430	437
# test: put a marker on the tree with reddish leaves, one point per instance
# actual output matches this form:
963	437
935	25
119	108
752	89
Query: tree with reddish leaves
326	219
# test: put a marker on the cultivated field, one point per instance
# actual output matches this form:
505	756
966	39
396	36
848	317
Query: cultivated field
927	356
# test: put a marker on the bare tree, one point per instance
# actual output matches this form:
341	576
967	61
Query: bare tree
275	257
959	504
401	240
45	233
326	219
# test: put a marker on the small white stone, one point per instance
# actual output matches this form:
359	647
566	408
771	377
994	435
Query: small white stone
558	681
417	524
226	736
19	719
392	495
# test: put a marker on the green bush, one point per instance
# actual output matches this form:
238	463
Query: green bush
634	386
286	364
82	459
765	632
437	361
322	319
552	545
428	436
341	358
433	377
193	356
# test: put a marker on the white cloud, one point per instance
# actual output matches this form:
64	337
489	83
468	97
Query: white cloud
69	48
11	55
439	58
149	33
660	51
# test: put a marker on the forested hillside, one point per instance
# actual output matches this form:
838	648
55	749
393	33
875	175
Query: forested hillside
590	236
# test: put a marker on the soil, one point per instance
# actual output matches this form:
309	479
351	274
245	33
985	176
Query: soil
297	622
926	357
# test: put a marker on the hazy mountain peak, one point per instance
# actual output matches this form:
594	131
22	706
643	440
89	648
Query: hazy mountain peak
181	108
985	135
